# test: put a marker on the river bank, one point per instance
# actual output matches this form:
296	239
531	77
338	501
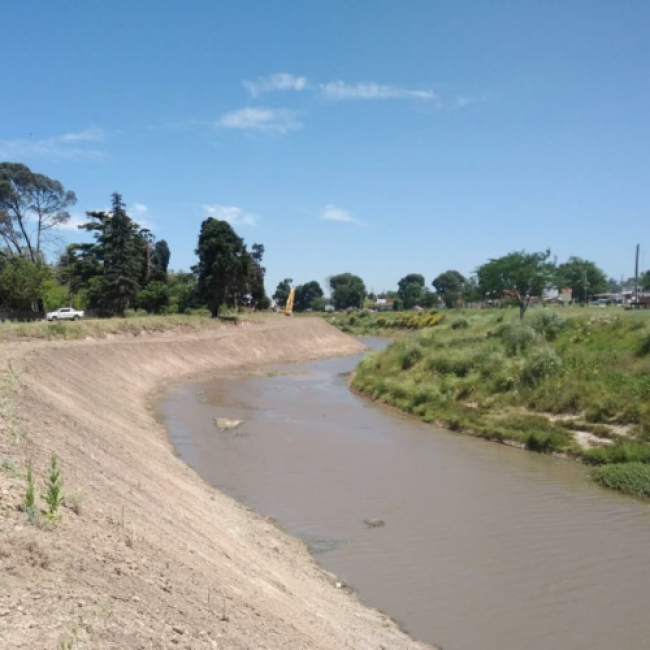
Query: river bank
576	385
482	546
146	554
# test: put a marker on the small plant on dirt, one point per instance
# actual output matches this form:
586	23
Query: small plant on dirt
54	490
30	494
76	502
32	512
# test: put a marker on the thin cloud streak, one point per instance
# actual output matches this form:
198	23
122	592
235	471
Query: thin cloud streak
269	120
275	82
68	146
334	213
371	90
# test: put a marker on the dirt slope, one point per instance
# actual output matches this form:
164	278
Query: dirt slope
155	558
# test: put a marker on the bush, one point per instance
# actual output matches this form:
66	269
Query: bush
545	441
130	313
459	323
623	452
630	478
457	362
57	330
204	312
517	337
410	355
547	324
539	365
644	348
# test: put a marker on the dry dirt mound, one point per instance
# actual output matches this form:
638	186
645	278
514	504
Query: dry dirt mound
146	554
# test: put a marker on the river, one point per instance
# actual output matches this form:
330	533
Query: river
484	547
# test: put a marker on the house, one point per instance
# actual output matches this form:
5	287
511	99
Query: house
383	304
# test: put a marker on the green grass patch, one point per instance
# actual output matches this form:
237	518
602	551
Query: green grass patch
479	377
630	478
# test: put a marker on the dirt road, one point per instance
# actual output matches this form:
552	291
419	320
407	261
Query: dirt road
146	555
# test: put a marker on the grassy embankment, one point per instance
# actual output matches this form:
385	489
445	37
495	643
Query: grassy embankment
567	381
132	326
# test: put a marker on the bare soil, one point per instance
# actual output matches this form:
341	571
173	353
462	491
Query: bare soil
146	555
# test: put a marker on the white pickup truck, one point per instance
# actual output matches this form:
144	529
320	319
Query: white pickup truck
64	313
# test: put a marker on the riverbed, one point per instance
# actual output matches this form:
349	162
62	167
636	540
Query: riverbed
482	546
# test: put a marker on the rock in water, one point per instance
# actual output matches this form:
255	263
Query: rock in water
374	523
225	424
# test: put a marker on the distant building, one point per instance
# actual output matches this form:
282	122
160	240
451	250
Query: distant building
383	304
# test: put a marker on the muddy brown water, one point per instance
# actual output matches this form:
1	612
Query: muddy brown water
484	547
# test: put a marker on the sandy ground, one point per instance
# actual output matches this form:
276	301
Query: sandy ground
146	554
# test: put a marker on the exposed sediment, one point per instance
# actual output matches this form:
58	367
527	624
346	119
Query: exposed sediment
146	554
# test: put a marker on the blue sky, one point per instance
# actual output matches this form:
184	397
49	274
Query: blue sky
370	136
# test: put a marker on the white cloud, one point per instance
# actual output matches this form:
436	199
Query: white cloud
70	146
89	135
278	81
139	208
334	213
269	120
230	213
372	90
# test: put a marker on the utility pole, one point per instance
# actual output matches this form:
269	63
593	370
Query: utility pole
636	276
586	285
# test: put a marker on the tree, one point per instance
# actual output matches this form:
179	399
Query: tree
644	281
113	268
348	290
154	298
614	286
259	299
182	292
471	292
306	294
583	277
450	286
122	259
519	275
23	283
31	205
428	299
163	255
409	289
223	266
282	292
319	304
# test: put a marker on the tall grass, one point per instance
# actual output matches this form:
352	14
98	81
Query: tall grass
588	363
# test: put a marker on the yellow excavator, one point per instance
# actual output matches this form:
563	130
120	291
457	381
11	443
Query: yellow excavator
288	308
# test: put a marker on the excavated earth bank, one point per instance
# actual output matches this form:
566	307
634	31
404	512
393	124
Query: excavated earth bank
146	555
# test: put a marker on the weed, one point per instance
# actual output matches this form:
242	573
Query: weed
8	388
517	337
547	324
30	492
33	516
539	365
621	452
644	347
76	502
54	489
8	465
459	323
